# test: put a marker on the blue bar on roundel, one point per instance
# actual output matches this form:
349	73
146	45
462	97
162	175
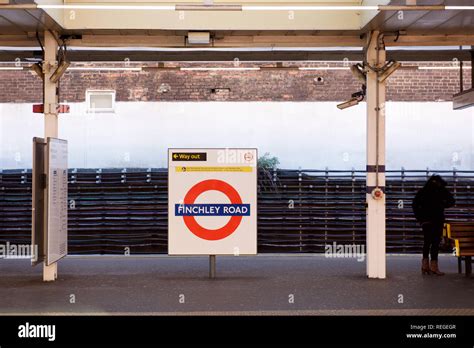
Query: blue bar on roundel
212	209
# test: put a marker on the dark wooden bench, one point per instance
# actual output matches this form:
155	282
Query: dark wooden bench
461	234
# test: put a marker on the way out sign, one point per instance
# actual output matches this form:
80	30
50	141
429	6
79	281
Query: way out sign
212	201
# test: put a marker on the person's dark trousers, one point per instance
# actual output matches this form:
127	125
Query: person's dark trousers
432	232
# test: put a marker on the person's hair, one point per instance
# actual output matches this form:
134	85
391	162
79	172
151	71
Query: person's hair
435	181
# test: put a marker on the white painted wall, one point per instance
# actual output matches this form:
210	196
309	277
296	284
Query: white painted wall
302	134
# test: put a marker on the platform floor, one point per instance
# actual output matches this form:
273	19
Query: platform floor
263	284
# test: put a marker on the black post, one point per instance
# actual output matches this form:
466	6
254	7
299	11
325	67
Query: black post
468	266
212	266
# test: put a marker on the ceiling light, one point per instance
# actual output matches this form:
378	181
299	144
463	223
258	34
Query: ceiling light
107	7
307	8
103	69
199	38
456	8
217	69
323	68
204	7
441	67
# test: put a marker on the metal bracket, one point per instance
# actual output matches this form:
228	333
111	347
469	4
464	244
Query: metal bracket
48	66
377	193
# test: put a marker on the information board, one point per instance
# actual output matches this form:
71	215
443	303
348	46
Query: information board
212	201
38	201
56	187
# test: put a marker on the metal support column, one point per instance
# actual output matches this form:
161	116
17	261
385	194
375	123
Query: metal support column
375	195
50	102
212	266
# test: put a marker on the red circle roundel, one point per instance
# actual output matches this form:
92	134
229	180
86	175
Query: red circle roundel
209	185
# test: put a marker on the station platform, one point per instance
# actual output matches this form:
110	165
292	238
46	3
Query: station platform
258	285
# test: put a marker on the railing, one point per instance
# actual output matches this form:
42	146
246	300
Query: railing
112	211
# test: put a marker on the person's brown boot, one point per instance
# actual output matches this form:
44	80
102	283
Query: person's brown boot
435	269
425	267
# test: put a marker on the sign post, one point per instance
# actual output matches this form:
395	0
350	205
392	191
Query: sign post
212	266
212	203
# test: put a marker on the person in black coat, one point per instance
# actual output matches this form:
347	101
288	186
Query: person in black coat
429	205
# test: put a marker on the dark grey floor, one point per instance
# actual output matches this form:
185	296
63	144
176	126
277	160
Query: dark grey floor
245	285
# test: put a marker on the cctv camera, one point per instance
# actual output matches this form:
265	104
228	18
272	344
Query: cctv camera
59	71
347	104
356	98
358	71
388	70
37	68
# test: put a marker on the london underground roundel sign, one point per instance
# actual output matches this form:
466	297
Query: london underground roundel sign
204	223
216	209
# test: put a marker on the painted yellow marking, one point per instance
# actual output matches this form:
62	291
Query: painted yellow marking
213	169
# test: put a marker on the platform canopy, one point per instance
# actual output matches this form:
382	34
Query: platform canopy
238	23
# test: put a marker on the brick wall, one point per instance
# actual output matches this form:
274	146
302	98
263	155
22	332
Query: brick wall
408	84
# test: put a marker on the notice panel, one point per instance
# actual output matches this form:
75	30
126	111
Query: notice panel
212	201
37	202
57	200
